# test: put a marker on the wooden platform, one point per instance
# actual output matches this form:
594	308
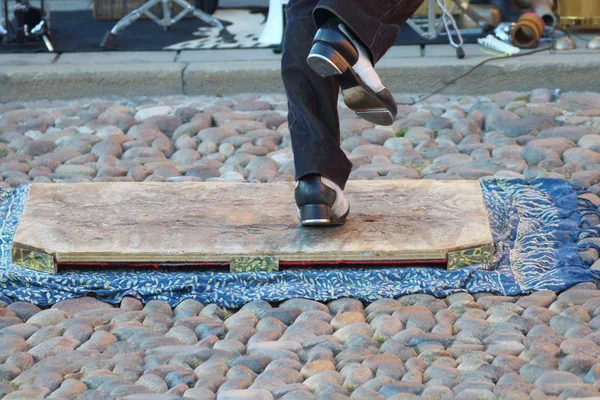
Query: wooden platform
249	226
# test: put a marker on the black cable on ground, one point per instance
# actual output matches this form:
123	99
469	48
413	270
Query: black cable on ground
453	81
570	32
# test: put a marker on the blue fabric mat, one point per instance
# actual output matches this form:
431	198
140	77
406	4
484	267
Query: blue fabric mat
536	227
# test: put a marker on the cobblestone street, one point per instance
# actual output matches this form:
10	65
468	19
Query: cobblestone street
463	347
466	347
245	137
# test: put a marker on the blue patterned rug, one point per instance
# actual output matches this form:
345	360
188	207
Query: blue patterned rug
537	226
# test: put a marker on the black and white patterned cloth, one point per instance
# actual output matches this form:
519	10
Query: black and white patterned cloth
244	27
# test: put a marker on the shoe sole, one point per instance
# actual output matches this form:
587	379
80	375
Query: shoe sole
326	61
320	215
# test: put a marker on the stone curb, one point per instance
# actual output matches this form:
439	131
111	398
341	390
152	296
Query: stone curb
233	77
580	72
55	81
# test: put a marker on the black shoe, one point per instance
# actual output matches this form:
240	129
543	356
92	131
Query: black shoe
336	53
320	201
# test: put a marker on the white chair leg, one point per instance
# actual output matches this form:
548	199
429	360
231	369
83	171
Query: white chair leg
273	31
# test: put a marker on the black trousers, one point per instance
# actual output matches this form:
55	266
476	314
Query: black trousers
312	100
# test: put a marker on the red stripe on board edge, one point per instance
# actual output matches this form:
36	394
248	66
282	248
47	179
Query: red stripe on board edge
226	264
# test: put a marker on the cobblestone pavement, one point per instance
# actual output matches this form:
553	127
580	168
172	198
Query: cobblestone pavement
465	347
245	137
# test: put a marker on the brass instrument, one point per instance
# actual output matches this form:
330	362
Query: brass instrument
543	8
423	9
527	31
580	13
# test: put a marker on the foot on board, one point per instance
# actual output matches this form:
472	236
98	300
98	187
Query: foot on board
320	201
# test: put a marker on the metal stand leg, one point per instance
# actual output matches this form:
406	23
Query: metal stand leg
3	31
109	41
41	29
19	11
434	27
23	35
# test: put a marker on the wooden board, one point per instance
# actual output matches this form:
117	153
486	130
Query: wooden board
212	222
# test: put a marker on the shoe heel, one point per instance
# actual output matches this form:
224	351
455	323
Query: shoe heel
315	214
326	61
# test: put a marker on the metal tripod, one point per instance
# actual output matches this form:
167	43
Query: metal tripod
21	35
109	41
448	23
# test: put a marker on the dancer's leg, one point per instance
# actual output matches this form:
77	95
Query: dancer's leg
312	102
